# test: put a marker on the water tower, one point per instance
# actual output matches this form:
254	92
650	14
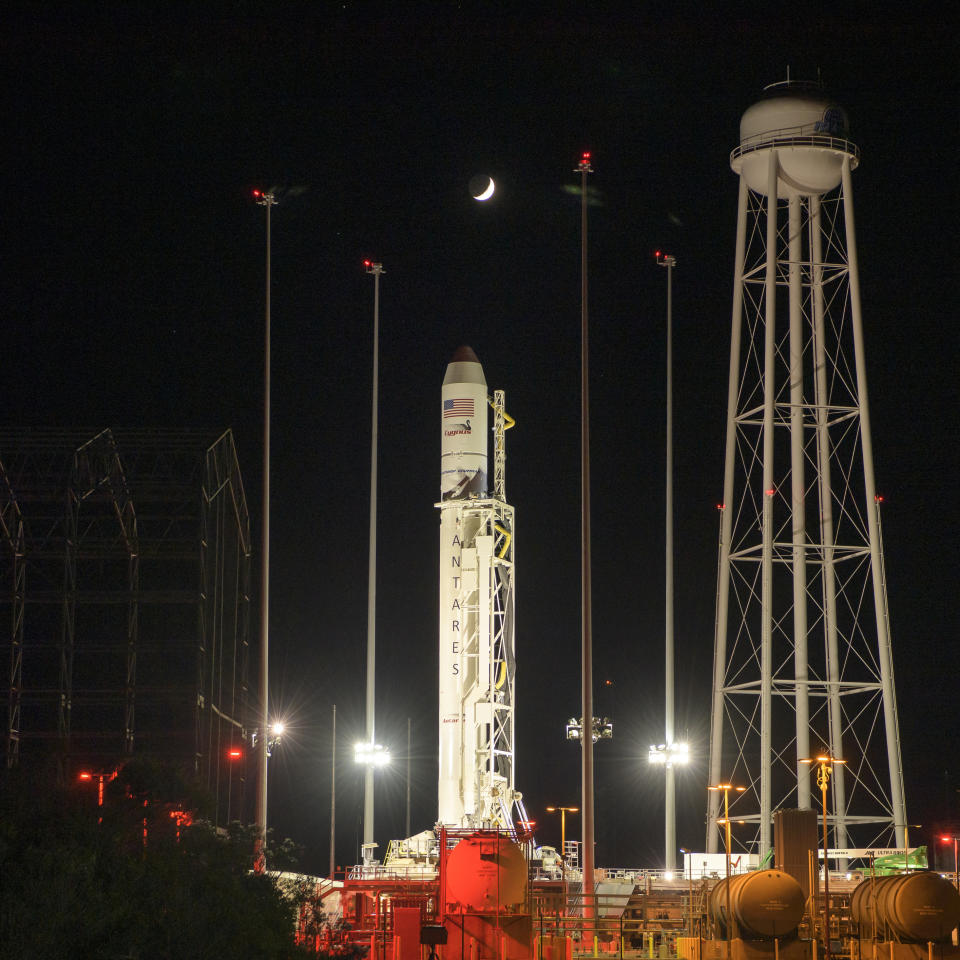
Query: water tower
802	659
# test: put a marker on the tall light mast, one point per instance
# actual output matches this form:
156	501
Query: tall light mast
265	199
802	658
369	755
586	590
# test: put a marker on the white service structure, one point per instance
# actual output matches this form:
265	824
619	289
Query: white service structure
476	617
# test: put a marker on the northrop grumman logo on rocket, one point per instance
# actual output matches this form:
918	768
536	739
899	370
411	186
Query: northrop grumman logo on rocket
459	428
460	410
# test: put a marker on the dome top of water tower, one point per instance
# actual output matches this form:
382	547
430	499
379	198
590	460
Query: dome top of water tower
809	131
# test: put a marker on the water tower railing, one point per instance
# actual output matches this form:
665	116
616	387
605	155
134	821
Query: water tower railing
786	138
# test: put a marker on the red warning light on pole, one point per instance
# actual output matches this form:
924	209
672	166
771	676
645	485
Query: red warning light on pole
234	754
368	263
257	193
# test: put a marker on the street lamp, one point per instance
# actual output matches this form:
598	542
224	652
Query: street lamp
824	769
726	788
563	847
563	811
956	863
87	776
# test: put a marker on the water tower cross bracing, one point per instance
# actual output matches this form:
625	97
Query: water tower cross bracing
802	659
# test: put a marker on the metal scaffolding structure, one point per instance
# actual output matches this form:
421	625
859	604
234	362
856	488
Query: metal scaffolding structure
125	561
802	661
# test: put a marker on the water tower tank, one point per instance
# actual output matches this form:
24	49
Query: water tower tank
810	134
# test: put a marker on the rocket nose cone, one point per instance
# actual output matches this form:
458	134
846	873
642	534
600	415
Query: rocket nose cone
464	354
464	368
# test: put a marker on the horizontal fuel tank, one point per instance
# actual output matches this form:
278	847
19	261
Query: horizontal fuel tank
917	907
763	904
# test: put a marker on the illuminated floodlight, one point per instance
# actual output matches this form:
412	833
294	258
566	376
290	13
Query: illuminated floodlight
669	754
602	729
278	728
371	754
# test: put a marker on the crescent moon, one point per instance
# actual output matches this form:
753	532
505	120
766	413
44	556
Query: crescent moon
488	193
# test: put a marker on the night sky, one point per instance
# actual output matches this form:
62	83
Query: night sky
133	296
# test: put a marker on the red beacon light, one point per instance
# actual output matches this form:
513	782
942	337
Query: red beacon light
257	193
234	754
86	776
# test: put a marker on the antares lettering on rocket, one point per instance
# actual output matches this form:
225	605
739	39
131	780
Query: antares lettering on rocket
476	643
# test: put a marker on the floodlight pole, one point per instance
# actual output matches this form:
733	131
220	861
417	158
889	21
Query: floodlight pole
333	791
586	635
267	200
670	804
376	269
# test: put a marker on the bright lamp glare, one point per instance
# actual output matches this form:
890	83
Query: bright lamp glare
669	754
278	728
371	754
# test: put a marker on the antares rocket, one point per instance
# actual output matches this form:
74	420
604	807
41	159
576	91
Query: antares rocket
477	653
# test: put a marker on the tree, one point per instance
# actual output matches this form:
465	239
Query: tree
139	884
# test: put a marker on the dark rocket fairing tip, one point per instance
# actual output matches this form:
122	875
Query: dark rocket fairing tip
464	354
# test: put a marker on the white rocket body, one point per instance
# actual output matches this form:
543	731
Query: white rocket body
463	475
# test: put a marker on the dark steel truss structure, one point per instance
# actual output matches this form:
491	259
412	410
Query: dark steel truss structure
124	604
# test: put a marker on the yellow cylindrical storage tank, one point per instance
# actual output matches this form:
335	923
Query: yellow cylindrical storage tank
916	907
763	903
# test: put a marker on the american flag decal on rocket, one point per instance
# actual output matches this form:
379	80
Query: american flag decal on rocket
458	408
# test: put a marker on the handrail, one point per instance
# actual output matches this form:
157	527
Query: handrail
821	140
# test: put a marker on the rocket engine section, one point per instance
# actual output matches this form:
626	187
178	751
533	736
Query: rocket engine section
763	904
911	908
486	873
